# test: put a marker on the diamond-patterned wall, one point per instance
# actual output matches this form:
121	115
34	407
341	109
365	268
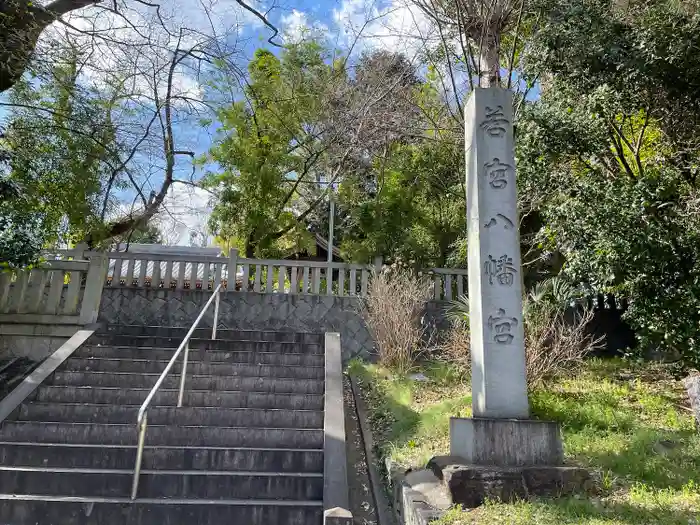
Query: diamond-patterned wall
242	311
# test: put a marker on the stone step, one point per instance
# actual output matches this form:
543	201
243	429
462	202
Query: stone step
210	485
161	458
123	434
33	510
194	382
206	344
221	333
205	356
99	364
193	398
187	416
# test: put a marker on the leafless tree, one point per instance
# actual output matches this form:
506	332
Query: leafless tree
478	26
149	70
22	22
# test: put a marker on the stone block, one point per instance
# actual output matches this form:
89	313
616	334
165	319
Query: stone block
506	442
419	497
337	516
692	386
470	485
34	348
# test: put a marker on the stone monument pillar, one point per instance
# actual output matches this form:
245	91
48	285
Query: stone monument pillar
499	387
499	432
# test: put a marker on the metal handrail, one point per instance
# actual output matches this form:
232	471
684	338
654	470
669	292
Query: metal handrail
142	418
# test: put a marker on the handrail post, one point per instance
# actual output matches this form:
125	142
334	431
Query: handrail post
232	270
216	314
94	285
143	423
183	376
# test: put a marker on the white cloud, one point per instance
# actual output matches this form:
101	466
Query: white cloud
185	212
397	25
296	26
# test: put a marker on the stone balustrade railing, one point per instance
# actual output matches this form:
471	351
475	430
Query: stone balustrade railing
58	287
65	290
285	276
206	272
448	283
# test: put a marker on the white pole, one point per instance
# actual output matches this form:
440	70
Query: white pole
330	231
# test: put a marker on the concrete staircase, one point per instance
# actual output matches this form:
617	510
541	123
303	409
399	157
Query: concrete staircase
247	448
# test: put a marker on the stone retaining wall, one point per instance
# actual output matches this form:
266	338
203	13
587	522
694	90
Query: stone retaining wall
242	311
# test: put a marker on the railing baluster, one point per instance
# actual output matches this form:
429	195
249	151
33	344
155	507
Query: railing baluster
194	276
341	282
39	277
317	281
258	277
437	284
205	276
353	281
143	268
460	285
215	324
5	283
305	281
365	279
130	273
168	279
448	287
142	427
181	267
329	281
117	273
246	278
218	269
281	279
183	375
155	276
232	270
294	282
270	275
55	292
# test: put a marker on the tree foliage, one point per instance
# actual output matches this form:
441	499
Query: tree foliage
61	144
267	147
310	124
412	207
21	235
609	155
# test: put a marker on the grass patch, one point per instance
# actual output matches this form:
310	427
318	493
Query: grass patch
626	423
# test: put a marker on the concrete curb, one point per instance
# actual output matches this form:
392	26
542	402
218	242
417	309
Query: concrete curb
336	495
384	514
45	369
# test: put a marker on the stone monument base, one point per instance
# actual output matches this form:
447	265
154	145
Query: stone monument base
506	442
470	485
505	460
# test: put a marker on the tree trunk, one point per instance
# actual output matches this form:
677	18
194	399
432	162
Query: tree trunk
21	25
490	71
250	246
